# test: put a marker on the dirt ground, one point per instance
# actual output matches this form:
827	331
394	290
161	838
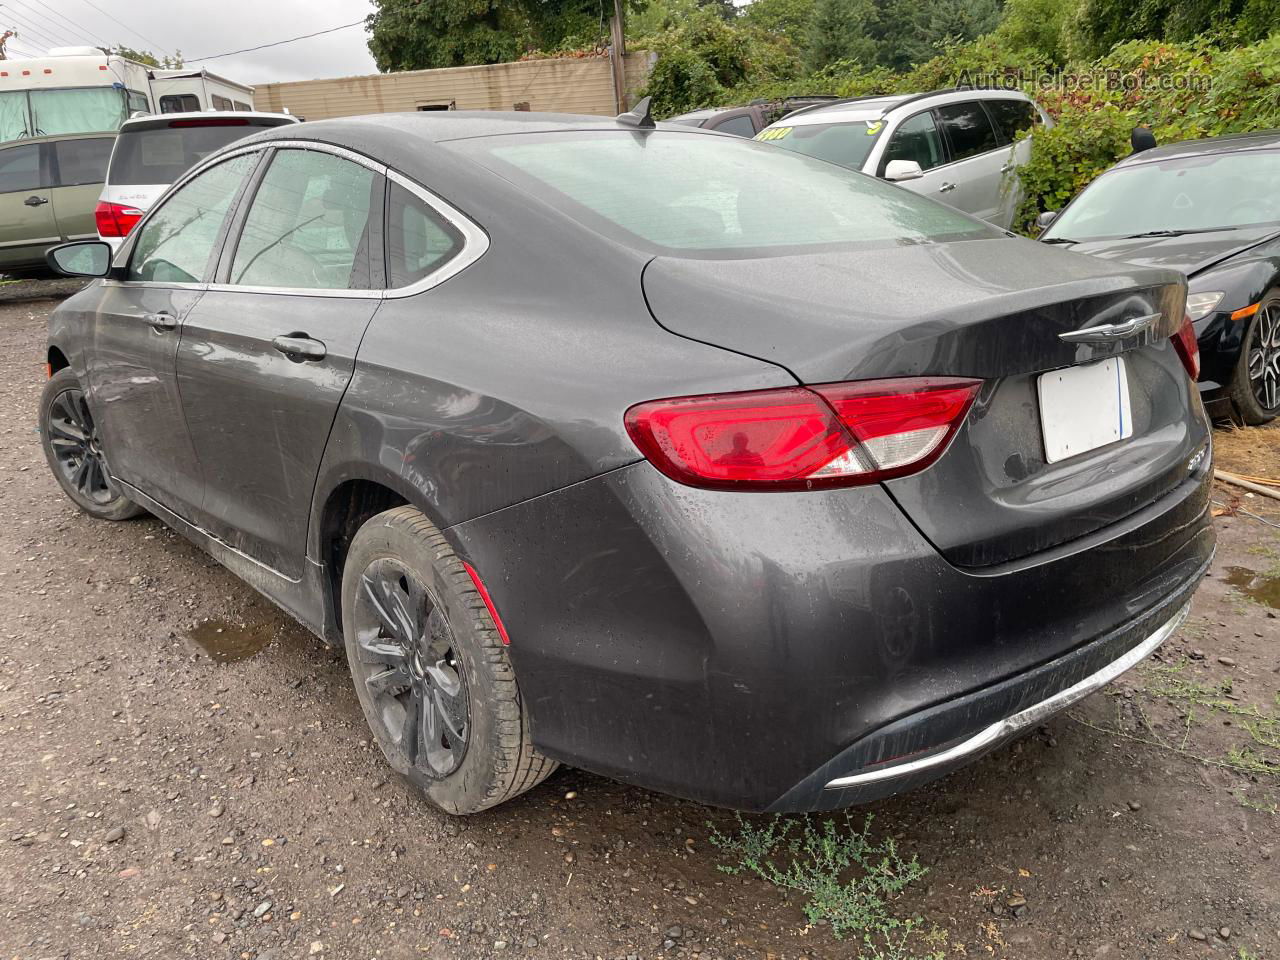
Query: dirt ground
160	801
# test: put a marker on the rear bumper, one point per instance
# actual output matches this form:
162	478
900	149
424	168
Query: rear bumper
749	650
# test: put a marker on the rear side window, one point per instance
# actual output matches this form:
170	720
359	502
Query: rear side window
82	161
1012	116
968	128
162	155
419	240
308	226
916	139
20	169
220	103
177	240
243	106
738	126
713	196
179	103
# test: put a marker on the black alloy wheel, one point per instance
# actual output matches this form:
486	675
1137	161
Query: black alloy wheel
406	660
74	447
1263	357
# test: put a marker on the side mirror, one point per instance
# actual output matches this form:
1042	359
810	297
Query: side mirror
83	258
1046	218
899	170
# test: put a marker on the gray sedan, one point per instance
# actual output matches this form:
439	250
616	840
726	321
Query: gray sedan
694	462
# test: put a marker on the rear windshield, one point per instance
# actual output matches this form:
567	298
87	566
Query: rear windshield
162	155
713	196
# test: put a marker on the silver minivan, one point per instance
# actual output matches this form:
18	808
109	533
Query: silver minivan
152	152
958	146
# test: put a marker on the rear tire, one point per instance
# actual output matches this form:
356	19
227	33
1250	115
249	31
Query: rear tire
430	670
1255	384
73	447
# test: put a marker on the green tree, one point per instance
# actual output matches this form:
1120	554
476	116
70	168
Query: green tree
789	18
1101	24
1038	25
840	30
147	57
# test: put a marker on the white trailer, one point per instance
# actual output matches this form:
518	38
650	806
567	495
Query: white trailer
83	90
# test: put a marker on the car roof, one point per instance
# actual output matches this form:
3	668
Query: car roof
380	130
881	106
1229	143
154	121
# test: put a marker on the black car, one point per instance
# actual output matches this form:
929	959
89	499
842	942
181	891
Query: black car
1211	209
590	450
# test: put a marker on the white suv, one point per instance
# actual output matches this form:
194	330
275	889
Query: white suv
957	146
151	152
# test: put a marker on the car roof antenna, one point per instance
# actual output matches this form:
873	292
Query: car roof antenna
638	116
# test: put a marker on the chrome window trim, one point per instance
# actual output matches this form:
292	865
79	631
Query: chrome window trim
1025	718
475	242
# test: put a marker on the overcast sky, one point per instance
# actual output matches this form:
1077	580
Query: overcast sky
204	28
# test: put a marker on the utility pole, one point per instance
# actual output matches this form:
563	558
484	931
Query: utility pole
617	51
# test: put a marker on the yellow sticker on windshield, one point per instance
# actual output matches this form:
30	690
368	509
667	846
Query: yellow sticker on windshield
775	133
874	128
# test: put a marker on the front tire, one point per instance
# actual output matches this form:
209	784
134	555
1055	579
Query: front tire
1255	387
73	446
431	673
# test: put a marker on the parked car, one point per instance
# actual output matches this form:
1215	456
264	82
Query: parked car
152	152
48	186
1211	209
590	450
749	120
958	146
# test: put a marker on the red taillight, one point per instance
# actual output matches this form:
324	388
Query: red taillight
1184	341
114	219
802	438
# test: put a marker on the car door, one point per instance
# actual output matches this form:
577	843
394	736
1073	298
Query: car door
130	370
1012	118
79	169
27	224
975	171
268	351
919	138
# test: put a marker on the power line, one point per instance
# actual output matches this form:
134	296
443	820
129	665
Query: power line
277	43
43	33
24	29
70	24
91	4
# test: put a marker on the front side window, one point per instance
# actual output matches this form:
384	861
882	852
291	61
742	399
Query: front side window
419	240
82	110
82	161
20	169
968	128
308	225
916	139
138	102
1012	116
687	194
176	242
847	143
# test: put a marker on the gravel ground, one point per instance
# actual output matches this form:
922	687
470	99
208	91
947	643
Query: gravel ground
186	773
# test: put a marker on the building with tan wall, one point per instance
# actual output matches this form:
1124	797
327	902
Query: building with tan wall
570	85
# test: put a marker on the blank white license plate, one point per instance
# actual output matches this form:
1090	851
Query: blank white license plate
1083	408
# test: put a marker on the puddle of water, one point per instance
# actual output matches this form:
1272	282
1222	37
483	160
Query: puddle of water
1255	585
227	642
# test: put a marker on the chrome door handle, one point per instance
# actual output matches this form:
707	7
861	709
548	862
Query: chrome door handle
1006	168
34	201
945	187
161	321
298	347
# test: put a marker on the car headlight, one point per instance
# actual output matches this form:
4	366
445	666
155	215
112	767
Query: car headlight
1200	305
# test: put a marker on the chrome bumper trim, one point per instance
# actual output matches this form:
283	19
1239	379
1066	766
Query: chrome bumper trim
1021	720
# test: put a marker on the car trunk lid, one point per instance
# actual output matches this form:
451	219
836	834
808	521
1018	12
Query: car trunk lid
989	309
